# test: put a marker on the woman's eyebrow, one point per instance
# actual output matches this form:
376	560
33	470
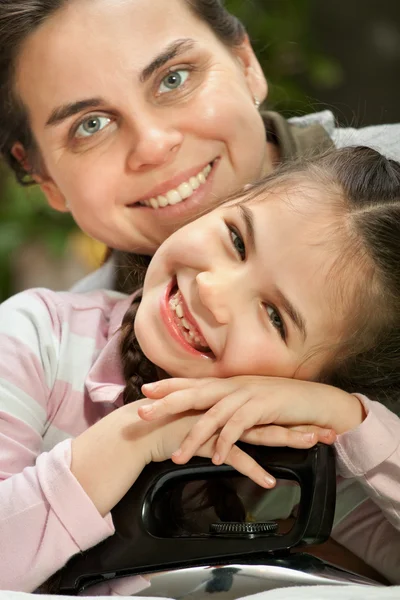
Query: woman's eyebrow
171	51
66	111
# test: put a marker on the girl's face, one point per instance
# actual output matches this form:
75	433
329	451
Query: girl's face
134	105
246	289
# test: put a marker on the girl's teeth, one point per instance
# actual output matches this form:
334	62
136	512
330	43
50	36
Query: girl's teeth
191	336
185	324
184	191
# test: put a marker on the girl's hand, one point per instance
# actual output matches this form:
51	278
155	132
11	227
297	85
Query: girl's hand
169	432
260	410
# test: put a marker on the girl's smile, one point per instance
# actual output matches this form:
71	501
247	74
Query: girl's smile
181	323
247	289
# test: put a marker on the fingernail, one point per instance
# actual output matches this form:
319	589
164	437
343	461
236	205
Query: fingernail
177	453
150	386
216	458
147	409
326	432
309	437
269	480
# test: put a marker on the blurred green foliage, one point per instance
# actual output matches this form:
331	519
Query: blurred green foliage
281	34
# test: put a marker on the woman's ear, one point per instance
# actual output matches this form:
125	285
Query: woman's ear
252	70
53	195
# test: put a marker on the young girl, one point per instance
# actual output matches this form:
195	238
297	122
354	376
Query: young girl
296	278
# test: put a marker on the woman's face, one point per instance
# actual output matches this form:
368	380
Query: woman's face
247	289
142	116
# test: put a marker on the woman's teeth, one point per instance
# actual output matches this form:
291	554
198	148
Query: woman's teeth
190	333
182	192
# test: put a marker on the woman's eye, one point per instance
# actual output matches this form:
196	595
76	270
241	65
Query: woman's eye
237	242
173	81
92	125
276	320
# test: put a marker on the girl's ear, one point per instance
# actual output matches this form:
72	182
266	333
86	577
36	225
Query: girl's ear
252	70
53	195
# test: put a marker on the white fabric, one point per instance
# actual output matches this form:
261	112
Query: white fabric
350	592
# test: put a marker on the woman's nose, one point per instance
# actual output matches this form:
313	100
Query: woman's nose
155	141
215	294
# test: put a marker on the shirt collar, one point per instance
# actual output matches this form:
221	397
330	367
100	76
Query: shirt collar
105	381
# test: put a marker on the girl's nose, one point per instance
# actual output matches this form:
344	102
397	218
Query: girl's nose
155	141
215	292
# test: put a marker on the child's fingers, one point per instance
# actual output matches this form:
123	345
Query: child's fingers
178	402
325	435
199	397
209	424
246	465
164	387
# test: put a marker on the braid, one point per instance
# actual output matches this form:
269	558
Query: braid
219	495
136	368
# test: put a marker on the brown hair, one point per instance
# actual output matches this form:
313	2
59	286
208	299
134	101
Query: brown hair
21	18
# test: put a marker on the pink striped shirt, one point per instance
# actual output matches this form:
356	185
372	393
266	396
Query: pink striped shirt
60	374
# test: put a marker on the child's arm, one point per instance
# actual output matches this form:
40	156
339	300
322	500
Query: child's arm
368	450
370	453
45	515
54	504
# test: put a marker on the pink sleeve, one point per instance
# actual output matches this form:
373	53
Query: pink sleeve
371	454
367	519
45	518
45	515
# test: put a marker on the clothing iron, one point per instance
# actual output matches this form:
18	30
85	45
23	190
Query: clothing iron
226	559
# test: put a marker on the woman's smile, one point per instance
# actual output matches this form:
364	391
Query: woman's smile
180	188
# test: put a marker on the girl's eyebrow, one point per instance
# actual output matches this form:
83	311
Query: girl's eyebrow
295	316
173	50
248	218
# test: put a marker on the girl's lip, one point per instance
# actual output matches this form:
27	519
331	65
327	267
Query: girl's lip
186	208
168	318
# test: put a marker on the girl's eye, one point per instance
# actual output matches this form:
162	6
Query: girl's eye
276	320
237	242
92	125
174	80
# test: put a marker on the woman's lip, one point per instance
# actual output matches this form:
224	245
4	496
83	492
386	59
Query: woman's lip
173	183
186	208
168	318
